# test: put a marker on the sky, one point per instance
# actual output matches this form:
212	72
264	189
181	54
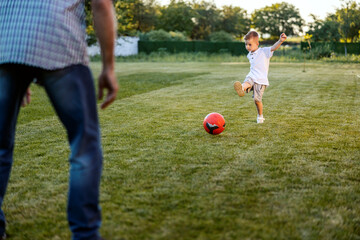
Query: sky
306	7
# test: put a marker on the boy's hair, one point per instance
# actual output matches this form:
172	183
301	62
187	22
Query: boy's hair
251	34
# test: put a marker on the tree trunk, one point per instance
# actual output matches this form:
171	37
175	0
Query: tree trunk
345	50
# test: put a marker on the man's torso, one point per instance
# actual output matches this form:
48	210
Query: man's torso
49	34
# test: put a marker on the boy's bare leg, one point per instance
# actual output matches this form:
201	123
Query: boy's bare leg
259	107
246	86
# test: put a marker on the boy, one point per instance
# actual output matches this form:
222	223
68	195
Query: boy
257	79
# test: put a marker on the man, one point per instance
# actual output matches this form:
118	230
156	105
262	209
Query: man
45	40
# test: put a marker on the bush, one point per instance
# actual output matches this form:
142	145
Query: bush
322	51
221	36
178	36
159	35
143	36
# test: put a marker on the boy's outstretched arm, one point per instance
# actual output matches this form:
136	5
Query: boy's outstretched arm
278	43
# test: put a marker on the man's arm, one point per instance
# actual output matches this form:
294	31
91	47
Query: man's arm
278	43
105	29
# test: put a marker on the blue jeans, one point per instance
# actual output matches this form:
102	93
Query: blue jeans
71	91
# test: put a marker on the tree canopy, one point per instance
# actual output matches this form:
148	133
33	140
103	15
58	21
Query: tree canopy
207	19
344	24
324	30
348	18
198	19
278	18
177	16
234	20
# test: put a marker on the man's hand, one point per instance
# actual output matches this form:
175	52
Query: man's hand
107	80
27	98
283	37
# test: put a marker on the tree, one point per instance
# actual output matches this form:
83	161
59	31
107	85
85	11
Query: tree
135	15
348	18
278	18
90	32
146	15
324	30
177	16
207	19
234	20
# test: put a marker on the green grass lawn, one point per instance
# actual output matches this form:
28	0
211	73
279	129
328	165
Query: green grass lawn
297	176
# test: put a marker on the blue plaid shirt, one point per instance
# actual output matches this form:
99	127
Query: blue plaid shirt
49	34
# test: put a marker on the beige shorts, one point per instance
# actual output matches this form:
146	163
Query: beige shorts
258	89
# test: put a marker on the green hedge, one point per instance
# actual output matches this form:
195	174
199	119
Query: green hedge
234	48
352	48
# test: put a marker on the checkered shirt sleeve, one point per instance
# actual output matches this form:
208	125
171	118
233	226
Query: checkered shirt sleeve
49	34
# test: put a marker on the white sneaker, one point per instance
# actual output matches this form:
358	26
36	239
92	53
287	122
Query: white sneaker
260	120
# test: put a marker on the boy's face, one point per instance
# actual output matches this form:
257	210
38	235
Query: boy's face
252	44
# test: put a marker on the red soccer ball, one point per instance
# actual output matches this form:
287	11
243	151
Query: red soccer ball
214	123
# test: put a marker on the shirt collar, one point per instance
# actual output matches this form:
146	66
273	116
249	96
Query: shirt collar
255	52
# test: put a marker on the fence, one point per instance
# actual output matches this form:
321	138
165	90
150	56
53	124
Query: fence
124	46
337	47
235	48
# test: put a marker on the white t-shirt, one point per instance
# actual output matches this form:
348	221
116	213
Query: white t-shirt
259	65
